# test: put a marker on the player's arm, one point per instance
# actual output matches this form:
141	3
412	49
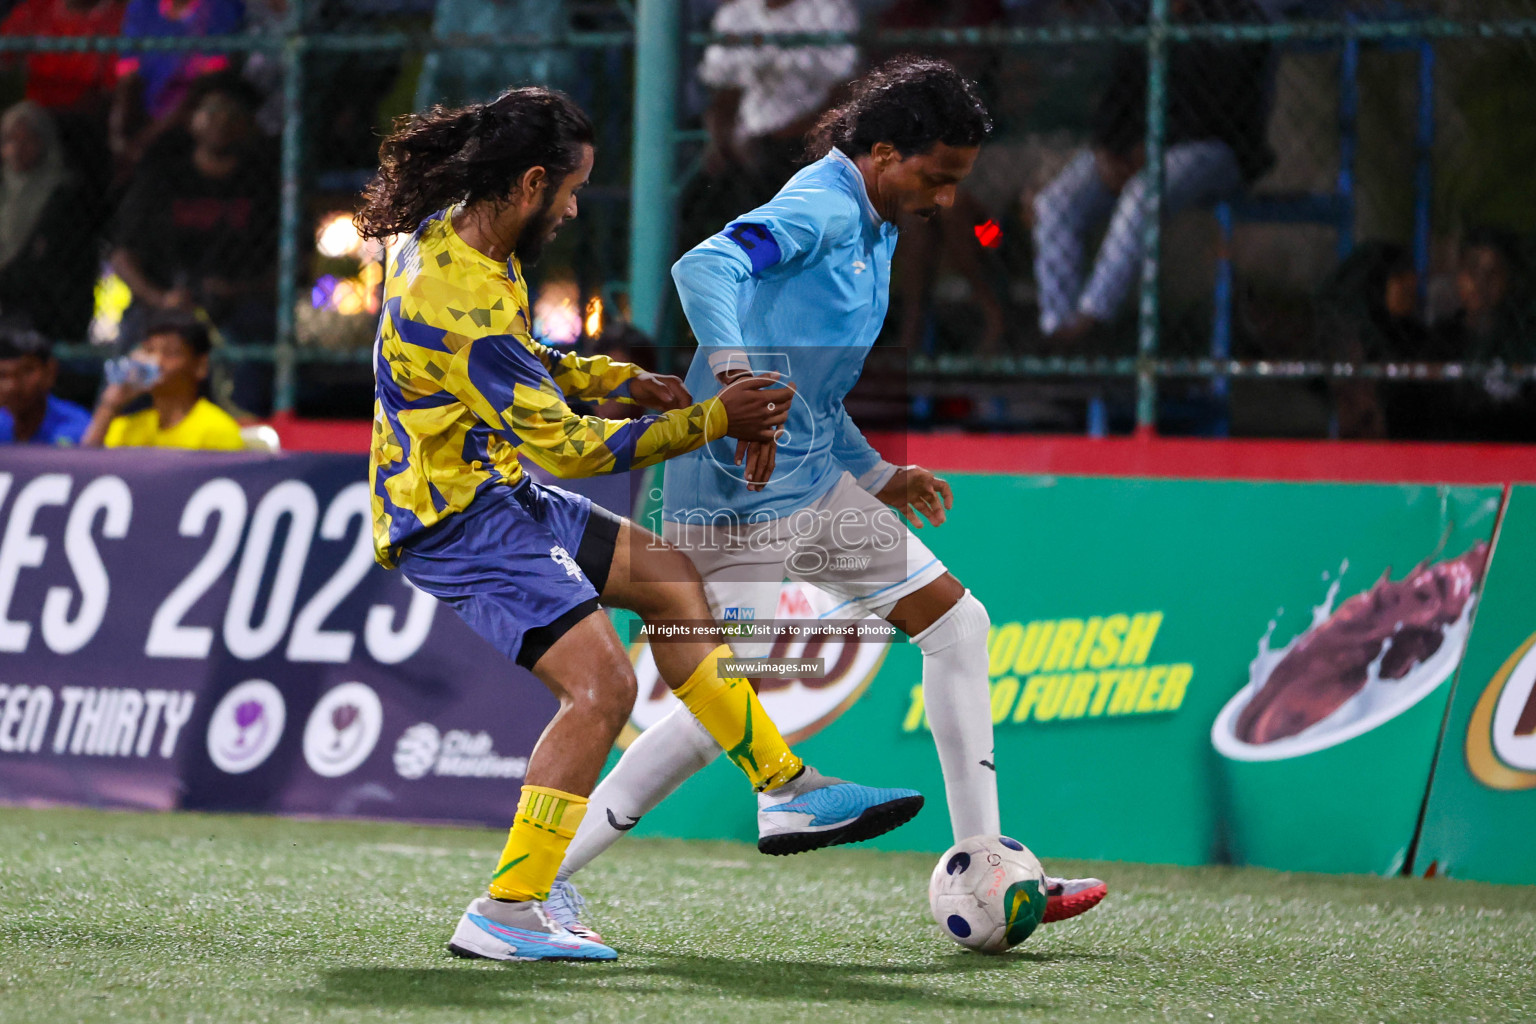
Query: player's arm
501	382
851	448
776	240
568	445
911	490
555	438
713	278
599	378
710	280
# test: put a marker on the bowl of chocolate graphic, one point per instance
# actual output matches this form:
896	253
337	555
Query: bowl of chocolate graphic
1327	749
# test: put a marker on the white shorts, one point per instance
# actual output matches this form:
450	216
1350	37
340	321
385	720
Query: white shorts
848	543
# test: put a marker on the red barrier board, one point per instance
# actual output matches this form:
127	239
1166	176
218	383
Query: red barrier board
1186	458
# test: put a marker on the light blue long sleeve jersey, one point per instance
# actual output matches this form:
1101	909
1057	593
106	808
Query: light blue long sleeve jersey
799	285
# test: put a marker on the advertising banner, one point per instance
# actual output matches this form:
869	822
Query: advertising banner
209	630
1181	671
1480	822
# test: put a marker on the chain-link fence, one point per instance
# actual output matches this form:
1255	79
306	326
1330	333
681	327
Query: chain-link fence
1261	217
1334	242
207	155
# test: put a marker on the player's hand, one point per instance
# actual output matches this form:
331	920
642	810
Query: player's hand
915	490
659	391
759	457
755	407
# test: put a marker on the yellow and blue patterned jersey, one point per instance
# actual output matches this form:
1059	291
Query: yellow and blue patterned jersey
461	389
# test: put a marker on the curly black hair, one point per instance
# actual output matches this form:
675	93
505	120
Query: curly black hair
911	102
447	155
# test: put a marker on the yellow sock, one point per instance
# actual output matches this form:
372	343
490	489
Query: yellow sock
732	714
546	820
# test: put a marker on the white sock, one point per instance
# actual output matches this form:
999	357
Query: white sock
656	763
958	698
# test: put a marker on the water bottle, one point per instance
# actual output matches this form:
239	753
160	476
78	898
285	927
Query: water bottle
138	373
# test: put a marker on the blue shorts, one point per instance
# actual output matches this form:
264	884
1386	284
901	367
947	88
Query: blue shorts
521	565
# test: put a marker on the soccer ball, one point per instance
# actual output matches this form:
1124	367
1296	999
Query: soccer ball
987	893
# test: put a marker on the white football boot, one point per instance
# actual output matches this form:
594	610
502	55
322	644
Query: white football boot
564	907
497	930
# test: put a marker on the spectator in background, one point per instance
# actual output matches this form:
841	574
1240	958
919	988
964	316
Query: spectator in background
47	257
1493	324
67	81
1216	144
763	100
177	346
1367	313
152	86
198	228
75	88
1491	321
29	413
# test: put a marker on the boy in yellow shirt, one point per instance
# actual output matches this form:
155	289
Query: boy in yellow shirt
177	345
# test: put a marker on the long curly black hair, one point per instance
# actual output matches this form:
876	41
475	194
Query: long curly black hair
447	155
910	102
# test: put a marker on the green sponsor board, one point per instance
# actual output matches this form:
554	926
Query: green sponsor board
1480	822
1127	616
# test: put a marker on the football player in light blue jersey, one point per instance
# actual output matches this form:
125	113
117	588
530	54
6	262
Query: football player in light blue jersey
800	286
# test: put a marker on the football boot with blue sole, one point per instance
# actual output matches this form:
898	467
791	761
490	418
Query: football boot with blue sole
813	810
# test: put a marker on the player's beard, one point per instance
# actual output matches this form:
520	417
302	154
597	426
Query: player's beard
531	240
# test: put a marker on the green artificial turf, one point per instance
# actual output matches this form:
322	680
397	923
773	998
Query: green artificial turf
151	917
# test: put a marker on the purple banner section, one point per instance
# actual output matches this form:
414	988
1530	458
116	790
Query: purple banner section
209	631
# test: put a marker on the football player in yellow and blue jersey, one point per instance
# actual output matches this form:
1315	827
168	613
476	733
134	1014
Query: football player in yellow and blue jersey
463	391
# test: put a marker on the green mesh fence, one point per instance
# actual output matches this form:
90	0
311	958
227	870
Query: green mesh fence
1196	216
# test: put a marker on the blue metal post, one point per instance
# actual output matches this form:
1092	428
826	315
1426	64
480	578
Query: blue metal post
292	206
1349	116
658	40
1221	333
1157	102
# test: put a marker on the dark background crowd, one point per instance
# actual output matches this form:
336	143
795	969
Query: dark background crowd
138	185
